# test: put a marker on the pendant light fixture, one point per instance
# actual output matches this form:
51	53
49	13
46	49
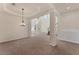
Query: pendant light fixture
22	22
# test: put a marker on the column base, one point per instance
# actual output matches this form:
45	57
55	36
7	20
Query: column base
53	44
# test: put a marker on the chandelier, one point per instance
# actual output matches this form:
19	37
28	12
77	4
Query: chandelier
22	17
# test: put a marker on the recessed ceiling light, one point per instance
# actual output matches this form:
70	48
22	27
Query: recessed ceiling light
68	8
13	4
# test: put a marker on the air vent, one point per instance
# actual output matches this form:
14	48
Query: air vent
13	4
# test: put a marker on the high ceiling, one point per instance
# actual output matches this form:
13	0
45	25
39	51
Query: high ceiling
66	7
34	9
30	9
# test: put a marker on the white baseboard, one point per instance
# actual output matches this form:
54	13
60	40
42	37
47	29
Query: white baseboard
12	39
76	42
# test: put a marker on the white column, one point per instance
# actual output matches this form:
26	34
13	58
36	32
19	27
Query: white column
52	28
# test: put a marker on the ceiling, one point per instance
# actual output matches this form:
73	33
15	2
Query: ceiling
63	8
35	9
30	9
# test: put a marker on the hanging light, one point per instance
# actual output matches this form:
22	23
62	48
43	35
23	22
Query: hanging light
22	22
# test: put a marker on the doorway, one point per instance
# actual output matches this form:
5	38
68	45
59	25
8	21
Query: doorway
41	25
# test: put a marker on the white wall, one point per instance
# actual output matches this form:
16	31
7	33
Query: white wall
10	29
69	26
70	20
